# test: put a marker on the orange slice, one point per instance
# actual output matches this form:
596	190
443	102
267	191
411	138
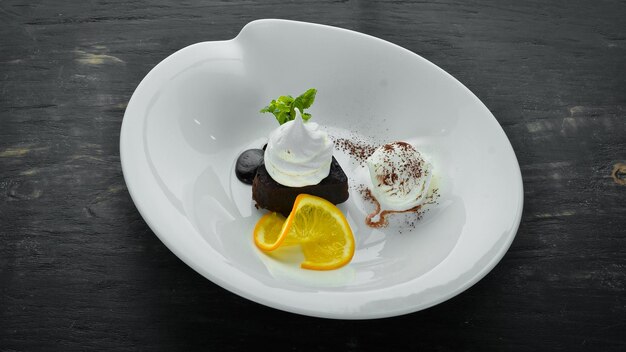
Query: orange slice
268	233
314	223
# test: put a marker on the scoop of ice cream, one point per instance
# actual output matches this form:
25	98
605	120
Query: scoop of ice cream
400	176
298	153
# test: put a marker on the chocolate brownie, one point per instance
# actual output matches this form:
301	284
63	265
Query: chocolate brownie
273	196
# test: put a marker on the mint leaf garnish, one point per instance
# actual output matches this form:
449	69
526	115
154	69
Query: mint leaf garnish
284	107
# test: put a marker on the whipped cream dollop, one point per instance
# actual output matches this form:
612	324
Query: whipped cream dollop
400	176
298	153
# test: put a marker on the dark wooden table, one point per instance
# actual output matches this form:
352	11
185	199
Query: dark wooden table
81	270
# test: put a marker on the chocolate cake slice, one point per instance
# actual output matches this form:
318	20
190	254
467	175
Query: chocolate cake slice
273	196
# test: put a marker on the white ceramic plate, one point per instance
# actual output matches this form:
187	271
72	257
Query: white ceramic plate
197	110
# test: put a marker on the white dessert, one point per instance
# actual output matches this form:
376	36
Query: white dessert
298	153
400	176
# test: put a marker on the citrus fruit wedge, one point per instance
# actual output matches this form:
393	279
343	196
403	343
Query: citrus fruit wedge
268	233
314	223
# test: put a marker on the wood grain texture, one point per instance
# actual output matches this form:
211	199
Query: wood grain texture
80	270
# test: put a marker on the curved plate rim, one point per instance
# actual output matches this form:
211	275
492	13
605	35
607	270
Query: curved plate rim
131	175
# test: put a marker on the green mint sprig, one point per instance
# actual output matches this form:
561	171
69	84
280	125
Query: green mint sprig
284	107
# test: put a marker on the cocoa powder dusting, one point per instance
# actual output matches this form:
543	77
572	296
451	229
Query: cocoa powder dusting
360	151
388	147
404	145
382	215
413	167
